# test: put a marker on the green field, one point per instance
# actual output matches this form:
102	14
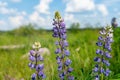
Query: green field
82	46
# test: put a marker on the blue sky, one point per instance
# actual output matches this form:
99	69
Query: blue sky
14	13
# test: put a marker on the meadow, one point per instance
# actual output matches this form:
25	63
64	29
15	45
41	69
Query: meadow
82	46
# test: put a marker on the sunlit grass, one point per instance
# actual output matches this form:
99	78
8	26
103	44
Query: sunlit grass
82	46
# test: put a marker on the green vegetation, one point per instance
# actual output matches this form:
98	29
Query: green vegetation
82	45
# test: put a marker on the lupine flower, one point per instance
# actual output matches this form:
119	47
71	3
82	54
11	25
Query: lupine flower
59	32
35	58
105	40
114	23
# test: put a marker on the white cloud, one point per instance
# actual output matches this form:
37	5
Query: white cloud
102	8
79	5
115	9
84	5
11	11
4	10
16	18
118	13
16	1
3	4
90	15
22	13
69	19
110	2
43	6
16	21
2	22
37	19
3	25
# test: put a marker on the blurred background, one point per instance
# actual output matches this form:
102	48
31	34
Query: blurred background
15	13
22	22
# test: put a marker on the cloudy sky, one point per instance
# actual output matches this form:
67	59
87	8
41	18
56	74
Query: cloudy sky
14	13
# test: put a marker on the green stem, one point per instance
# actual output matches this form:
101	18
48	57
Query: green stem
102	77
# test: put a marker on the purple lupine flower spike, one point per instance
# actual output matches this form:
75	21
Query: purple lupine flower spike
105	40
114	23
35	58
59	32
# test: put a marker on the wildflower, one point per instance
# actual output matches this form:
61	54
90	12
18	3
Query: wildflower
59	32
33	76
114	22
35	58
105	40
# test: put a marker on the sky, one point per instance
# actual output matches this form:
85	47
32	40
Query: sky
14	13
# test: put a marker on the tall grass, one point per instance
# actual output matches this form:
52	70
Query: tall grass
82	45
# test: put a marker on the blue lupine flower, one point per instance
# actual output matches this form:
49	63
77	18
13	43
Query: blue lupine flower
59	31
64	37
40	67
33	76
100	38
65	43
57	43
67	62
41	74
103	53
71	78
114	22
107	63
97	59
101	70
58	50
98	51
70	70
31	65
58	61
59	68
61	75
95	69
99	44
107	54
32	58
32	52
97	77
67	53
62	24
40	58
107	72
35	57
